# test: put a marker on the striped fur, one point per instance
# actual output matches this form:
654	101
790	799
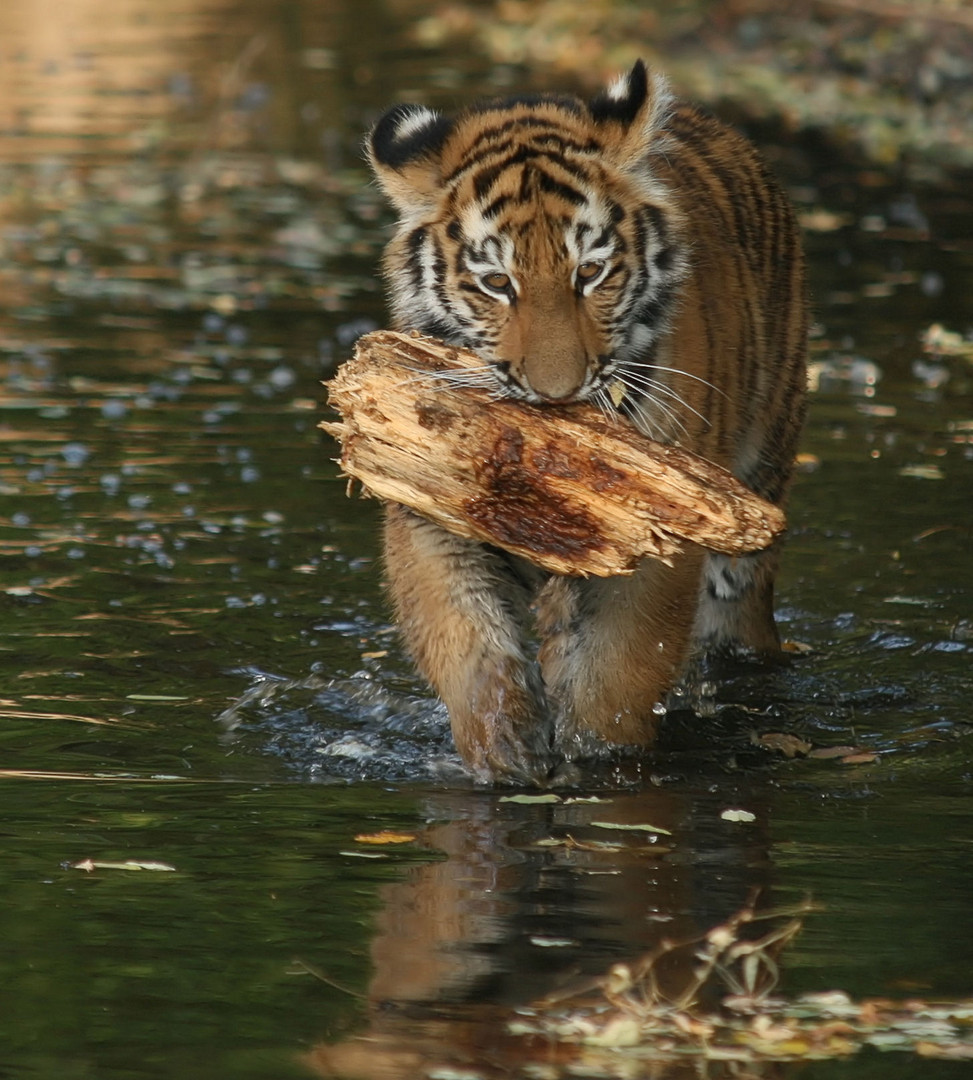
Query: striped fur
633	252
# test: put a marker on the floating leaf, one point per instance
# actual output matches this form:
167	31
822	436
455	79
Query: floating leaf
788	745
156	697
386	836
823	221
88	865
621	1031
923	472
570	843
25	714
823	752
528	800
447	1073
630	828
942	342
829	1001
738	815
954	1051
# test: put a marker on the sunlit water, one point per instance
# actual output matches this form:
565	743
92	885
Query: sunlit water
198	665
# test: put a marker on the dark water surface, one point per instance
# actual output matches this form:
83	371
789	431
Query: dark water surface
197	664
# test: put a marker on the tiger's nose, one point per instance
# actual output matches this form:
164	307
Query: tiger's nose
558	399
554	376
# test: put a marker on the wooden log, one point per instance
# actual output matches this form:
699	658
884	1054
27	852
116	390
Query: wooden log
562	486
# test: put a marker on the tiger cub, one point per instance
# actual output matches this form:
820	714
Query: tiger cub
628	251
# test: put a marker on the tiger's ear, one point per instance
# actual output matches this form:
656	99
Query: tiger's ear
403	149
632	113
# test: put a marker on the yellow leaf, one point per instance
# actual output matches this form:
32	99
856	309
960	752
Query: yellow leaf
385	837
823	221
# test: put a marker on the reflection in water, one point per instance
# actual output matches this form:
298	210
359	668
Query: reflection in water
174	286
531	901
95	77
88	75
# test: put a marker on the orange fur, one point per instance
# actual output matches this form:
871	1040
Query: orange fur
633	252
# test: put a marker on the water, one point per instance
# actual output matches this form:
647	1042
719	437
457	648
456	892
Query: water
198	668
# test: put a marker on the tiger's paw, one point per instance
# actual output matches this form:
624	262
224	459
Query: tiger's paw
505	759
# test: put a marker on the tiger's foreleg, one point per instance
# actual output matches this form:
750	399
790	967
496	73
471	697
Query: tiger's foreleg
463	612
613	647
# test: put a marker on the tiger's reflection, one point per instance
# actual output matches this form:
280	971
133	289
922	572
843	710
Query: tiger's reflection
530	901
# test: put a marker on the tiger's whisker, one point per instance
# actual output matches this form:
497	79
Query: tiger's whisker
654	387
625	365
641	410
643	383
603	400
478	377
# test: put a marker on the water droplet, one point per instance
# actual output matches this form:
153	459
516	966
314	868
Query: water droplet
281	378
931	283
75	453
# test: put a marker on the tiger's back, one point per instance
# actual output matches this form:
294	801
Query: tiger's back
746	297
635	253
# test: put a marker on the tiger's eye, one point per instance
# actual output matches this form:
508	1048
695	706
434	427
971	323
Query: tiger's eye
588	271
496	281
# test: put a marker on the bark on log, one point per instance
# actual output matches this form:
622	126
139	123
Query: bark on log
562	486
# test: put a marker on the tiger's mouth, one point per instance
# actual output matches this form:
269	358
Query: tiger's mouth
599	385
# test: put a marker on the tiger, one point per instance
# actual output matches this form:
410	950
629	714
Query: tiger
630	251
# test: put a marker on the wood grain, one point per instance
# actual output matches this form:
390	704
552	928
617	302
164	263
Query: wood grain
562	486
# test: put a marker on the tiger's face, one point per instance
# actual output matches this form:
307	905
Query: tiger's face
532	232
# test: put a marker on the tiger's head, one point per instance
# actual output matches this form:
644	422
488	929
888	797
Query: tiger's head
532	231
